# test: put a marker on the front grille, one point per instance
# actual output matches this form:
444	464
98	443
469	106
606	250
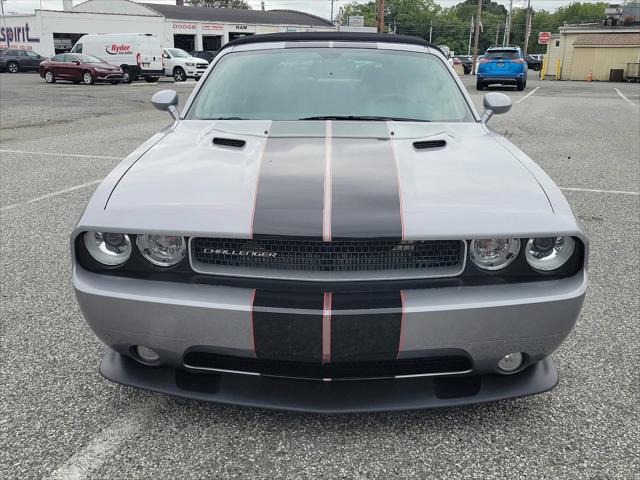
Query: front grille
347	258
201	65
439	363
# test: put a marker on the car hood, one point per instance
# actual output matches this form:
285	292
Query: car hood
356	179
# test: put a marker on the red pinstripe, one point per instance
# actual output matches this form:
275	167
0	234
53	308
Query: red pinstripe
326	328
401	323
253	338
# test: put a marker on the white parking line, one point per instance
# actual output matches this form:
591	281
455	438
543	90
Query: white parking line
592	190
528	95
100	449
624	98
49	195
75	155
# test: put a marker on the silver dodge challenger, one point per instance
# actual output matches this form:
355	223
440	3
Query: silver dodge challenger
329	225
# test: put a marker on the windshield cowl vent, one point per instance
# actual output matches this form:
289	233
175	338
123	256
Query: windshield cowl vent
427	144
229	142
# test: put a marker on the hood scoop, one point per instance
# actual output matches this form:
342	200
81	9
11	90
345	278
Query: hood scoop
229	142
429	144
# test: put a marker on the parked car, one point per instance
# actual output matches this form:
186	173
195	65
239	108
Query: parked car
180	65
14	60
533	63
139	55
504	66
466	62
78	68
447	53
207	55
304	219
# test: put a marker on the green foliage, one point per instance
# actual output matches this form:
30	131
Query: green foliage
220	4
451	26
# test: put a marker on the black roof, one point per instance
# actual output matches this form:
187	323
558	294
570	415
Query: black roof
331	36
238	15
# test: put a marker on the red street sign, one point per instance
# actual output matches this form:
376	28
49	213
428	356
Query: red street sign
544	37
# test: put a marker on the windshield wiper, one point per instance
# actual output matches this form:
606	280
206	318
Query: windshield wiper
226	118
370	118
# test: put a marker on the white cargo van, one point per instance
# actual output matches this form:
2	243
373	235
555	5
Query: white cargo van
138	54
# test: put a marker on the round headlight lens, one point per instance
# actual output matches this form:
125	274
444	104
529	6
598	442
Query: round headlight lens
494	253
162	250
108	248
549	253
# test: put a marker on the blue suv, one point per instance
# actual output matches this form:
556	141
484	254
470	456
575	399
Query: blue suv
503	65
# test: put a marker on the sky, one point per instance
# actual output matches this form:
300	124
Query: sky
317	7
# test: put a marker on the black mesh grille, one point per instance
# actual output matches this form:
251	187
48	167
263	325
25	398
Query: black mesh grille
229	142
429	144
201	65
318	256
439	362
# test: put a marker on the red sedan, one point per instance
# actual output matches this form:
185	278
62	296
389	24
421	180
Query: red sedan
78	68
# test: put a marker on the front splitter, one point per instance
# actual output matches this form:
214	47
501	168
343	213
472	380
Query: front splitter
330	397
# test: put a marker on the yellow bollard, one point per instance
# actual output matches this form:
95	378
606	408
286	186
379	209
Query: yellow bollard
558	69
543	70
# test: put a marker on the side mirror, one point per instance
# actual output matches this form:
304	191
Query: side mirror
167	101
495	103
77	62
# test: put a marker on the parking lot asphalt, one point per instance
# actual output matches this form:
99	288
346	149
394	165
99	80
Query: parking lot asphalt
60	419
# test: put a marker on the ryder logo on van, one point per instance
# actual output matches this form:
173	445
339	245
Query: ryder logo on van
118	49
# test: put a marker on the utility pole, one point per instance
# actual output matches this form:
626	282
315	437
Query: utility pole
431	30
331	11
497	35
470	35
507	28
380	16
527	30
477	38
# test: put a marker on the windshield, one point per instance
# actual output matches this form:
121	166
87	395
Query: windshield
178	53
89	59
324	83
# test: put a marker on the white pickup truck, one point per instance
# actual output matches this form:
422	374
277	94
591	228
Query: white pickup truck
180	65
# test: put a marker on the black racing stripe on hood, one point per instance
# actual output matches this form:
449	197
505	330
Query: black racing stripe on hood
371	337
289	199
288	336
365	195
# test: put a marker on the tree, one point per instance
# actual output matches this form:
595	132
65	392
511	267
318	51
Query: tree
220	4
451	26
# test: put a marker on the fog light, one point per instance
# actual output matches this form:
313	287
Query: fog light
146	354
510	363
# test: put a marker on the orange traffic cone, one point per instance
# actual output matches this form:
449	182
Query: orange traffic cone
589	77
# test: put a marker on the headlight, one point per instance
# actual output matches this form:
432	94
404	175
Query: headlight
108	248
549	253
162	250
189	64
494	253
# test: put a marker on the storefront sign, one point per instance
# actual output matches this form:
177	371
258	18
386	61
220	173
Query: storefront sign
185	27
212	28
19	34
243	28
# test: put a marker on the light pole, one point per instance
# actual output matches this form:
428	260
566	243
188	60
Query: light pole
507	28
477	38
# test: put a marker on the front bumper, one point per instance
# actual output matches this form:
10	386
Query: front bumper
195	72
331	397
486	322
109	77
